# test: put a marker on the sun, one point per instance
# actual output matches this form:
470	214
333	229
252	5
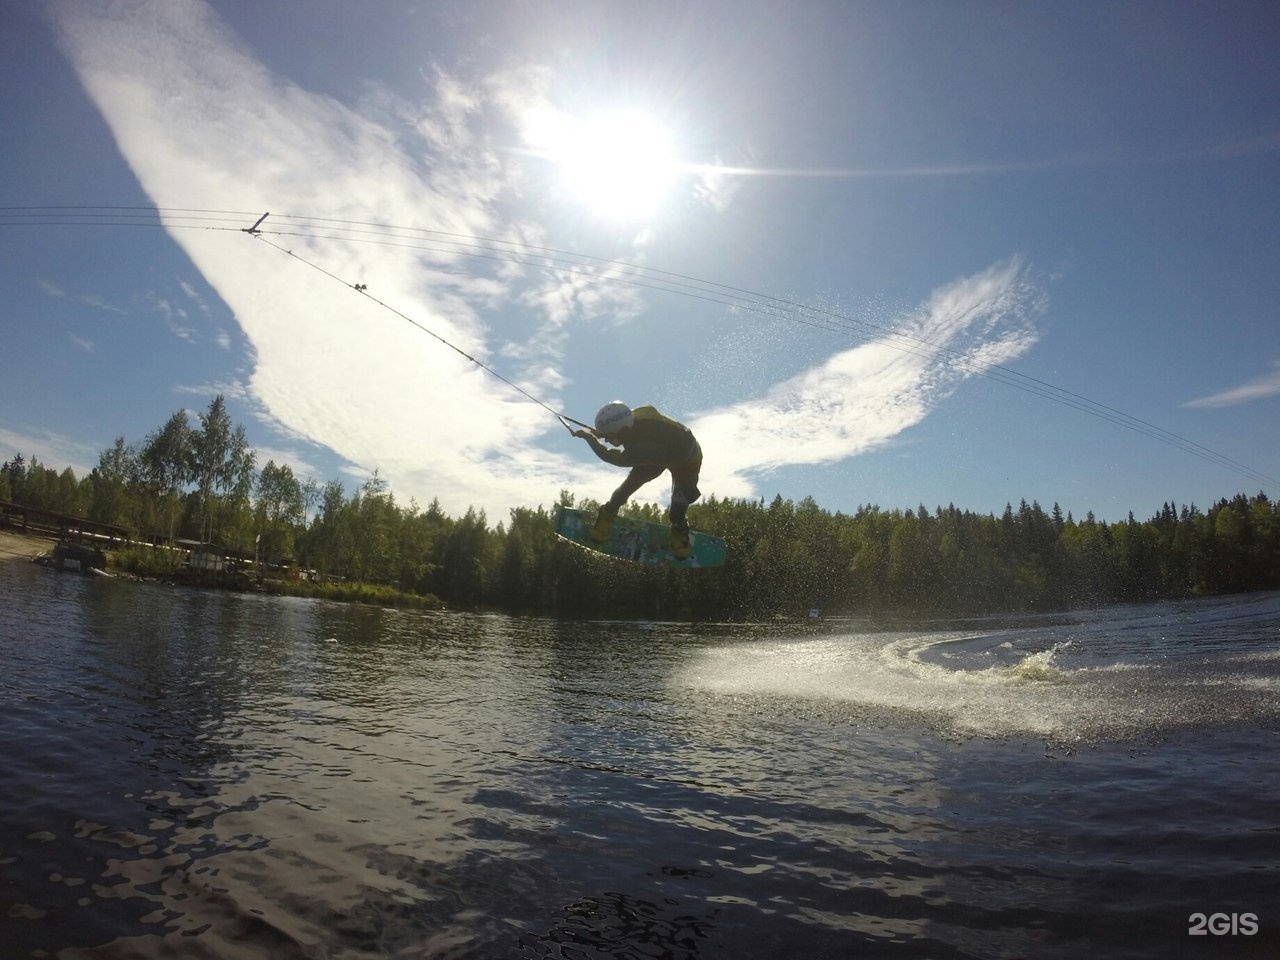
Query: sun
620	164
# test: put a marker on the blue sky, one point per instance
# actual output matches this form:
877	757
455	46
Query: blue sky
853	245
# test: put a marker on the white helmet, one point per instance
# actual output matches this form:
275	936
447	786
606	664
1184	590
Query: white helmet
613	417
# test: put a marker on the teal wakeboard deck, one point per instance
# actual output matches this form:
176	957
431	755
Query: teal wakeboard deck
640	541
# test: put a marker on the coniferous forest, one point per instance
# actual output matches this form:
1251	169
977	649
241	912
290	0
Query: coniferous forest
200	481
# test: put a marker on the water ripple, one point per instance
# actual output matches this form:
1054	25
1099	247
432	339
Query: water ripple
204	775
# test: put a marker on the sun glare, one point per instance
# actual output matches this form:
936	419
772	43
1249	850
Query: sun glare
620	164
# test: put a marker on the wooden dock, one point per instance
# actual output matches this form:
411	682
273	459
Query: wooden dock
63	526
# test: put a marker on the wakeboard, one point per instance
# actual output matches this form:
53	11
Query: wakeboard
640	541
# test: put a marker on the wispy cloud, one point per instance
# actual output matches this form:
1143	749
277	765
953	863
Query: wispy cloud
81	343
89	300
1261	387
174	316
50	288
1263	143
194	296
284	456
331	366
1266	143
334	368
860	399
51	449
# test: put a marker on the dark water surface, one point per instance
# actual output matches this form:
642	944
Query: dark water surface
190	774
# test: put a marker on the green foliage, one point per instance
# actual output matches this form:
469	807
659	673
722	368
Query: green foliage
35	485
279	511
150	562
784	557
166	462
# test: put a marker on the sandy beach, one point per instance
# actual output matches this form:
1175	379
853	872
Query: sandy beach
21	546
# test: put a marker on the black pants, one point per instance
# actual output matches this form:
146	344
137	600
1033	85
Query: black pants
684	487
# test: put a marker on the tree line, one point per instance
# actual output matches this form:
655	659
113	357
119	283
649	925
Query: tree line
200	480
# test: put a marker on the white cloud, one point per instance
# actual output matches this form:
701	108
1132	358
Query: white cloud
51	449
194	296
861	398
174	316
301	467
52	289
90	300
204	125
233	389
1261	387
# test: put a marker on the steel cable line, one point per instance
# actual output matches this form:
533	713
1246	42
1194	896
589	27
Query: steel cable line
914	346
760	303
361	289
602	270
750	301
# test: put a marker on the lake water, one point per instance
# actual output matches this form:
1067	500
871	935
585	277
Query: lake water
206	775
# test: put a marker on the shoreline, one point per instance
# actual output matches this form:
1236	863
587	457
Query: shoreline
24	546
16	545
